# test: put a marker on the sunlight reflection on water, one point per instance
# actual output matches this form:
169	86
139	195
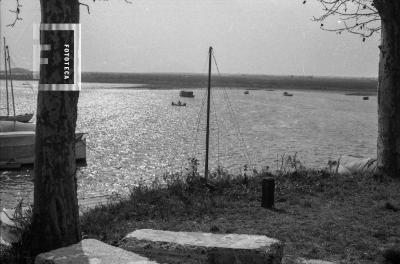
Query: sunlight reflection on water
136	134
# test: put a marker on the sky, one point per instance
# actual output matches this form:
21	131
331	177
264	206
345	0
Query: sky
272	37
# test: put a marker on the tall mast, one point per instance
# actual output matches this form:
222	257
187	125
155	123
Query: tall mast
5	74
0	46
12	87
208	113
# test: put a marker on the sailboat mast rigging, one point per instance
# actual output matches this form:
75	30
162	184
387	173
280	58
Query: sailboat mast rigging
5	74
11	82
208	113
8	75
211	57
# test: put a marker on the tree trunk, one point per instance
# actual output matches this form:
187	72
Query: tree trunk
55	215
388	145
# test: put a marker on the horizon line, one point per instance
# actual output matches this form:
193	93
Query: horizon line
226	74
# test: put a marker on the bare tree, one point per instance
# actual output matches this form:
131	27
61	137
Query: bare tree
55	212
365	18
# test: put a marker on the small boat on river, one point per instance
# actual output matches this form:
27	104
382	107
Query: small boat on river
179	103
186	94
246	92
365	98
287	94
17	144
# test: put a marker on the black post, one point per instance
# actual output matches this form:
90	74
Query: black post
11	83
5	75
208	114
268	192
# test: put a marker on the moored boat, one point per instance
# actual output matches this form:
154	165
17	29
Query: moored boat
186	94
19	118
17	144
178	104
365	98
287	94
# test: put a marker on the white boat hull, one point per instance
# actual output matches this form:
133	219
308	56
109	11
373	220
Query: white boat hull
25	118
18	146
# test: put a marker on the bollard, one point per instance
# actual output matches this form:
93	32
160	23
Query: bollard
268	191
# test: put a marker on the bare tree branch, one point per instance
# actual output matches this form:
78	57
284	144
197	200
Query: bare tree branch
87	6
359	17
17	12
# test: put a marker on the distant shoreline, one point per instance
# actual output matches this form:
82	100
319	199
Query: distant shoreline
351	86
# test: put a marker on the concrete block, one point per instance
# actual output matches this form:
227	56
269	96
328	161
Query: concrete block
312	261
194	247
91	251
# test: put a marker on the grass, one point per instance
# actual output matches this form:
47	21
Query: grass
17	253
318	215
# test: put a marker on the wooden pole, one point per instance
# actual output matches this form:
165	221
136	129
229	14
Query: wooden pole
11	83
268	192
208	114
5	74
0	49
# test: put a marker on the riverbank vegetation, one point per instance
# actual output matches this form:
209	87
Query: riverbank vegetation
318	214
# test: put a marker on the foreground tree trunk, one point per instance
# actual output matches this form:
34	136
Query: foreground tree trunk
55	215
388	144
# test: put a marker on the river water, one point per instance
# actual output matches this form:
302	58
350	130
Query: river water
135	134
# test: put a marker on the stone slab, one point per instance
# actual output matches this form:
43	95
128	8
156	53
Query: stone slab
312	261
194	247
91	251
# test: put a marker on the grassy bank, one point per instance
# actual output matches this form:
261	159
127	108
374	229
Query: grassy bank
318	215
350	219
